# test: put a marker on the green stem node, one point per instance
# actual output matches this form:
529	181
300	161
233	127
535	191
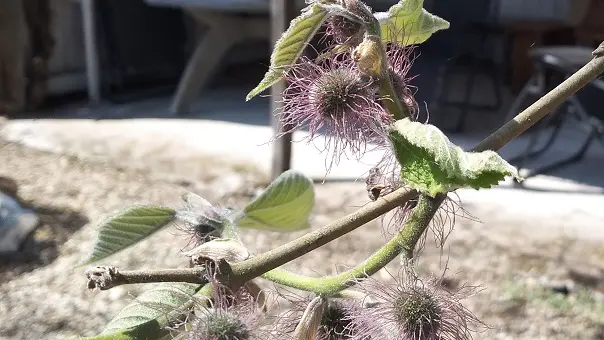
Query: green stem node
404	241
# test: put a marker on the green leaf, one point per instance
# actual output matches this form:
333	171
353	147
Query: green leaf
284	206
408	23
148	315
291	45
155	307
431	164
127	228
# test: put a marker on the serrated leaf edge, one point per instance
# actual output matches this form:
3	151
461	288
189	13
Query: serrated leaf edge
106	220
277	67
416	142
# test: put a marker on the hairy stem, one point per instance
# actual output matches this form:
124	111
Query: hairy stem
281	255
404	242
544	105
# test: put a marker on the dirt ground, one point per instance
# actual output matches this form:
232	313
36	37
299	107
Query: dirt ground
533	288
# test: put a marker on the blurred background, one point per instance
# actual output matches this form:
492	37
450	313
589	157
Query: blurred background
108	103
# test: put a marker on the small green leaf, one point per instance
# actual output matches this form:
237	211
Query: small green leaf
431	164
284	206
127	228
409	23
154	308
291	45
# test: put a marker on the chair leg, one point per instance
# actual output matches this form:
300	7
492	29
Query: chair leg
465	108
208	54
532	154
579	155
440	88
530	88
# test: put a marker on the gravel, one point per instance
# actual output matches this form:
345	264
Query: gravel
44	297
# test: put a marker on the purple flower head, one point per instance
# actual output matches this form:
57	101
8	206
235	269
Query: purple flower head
416	310
334	96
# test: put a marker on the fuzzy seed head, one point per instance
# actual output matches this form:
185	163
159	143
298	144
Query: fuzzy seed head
227	315
335	323
414	309
419	314
219	325
336	91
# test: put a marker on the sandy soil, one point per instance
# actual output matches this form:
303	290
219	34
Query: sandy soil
43	297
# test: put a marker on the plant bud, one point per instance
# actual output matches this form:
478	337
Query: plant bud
368	56
219	249
308	328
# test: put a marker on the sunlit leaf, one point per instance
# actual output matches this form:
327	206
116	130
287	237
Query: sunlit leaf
431	164
159	304
291	45
285	205
149	314
127	228
408	23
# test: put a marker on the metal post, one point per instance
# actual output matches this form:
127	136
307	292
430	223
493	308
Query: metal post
282	12
92	56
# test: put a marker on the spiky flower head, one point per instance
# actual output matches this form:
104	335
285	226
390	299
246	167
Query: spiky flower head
228	316
334	96
416	310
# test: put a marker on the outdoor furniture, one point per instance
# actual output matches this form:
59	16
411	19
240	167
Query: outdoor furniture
558	62
497	21
472	31
228	22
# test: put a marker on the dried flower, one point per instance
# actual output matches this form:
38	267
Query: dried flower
413	309
201	219
335	322
308	325
335	96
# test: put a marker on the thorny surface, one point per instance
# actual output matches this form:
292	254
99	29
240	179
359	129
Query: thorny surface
44	298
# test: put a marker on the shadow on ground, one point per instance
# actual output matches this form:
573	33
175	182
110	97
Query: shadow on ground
42	246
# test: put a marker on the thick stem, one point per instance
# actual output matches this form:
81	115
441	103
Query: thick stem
544	105
405	241
281	255
389	98
104	278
